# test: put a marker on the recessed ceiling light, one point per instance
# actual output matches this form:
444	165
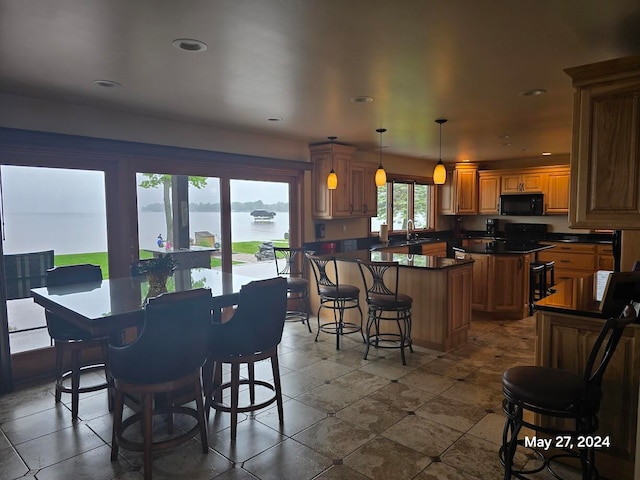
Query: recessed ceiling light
362	99
505	137
189	45
107	83
274	119
534	92
506	144
546	154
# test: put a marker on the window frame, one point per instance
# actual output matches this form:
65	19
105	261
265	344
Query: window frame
411	181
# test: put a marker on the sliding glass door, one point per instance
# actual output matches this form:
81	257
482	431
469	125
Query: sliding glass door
259	221
46	209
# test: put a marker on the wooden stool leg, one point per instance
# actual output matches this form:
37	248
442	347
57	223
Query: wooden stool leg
201	418
147	420
75	382
275	370
235	387
118	407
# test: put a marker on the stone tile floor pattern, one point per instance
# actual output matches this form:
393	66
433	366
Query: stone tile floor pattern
437	418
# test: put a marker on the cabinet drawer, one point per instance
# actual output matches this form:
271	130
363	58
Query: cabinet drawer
604	249
574	247
605	262
569	260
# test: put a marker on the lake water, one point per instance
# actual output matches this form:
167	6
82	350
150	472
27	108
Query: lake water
83	233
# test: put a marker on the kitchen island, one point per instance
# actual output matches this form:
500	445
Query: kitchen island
440	288
501	276
567	324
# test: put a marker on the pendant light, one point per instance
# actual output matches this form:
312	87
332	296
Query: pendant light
381	175
332	179
440	173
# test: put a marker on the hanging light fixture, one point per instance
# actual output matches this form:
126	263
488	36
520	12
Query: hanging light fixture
440	173
332	179
381	175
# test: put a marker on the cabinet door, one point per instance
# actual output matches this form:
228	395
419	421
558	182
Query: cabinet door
446	196
557	193
509	281
532	182
480	283
488	194
466	184
341	196
511	183
357	190
605	164
320	194
370	192
459	287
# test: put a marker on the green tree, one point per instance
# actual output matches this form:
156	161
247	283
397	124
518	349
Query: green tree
155	180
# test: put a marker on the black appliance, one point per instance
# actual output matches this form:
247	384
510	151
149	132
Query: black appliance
492	227
522	204
525	232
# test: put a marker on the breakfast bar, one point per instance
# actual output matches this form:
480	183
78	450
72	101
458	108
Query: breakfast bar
440	288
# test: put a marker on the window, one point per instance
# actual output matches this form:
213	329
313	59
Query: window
404	198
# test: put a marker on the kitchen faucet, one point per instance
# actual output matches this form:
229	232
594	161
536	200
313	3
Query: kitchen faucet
410	226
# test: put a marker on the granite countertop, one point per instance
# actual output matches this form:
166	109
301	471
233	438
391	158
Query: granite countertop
504	247
426	262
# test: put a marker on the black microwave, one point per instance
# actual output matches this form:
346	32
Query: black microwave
522	204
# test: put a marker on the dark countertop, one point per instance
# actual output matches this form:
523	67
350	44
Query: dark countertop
574	296
426	262
502	247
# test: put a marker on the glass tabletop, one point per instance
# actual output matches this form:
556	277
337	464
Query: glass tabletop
122	296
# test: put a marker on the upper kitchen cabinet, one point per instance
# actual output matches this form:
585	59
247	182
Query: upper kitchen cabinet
364	193
605	157
459	195
556	199
356	194
523	182
488	192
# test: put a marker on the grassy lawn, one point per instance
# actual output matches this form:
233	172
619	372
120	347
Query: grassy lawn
100	258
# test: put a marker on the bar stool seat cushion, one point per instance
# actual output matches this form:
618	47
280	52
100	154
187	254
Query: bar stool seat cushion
345	291
296	284
389	301
545	387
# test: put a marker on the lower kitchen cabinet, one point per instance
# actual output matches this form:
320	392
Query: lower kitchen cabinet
565	341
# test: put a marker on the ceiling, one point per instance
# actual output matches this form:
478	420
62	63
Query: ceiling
304	60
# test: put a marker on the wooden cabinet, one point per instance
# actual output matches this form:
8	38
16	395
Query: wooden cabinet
364	193
500	283
488	192
552	181
556	199
459	196
565	341
605	156
530	182
356	194
573	260
604	257
438	249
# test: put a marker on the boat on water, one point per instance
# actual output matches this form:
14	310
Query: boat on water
262	215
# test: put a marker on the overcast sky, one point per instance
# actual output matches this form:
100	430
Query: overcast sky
27	189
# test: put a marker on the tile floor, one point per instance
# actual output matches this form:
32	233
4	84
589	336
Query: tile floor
438	418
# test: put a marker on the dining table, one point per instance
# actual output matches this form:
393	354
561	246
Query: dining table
114	304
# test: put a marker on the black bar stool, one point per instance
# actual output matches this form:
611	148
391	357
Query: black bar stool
537	282
549	276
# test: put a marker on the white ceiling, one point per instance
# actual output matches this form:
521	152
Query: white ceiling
303	60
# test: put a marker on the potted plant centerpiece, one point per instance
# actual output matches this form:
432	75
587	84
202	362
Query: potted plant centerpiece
157	270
